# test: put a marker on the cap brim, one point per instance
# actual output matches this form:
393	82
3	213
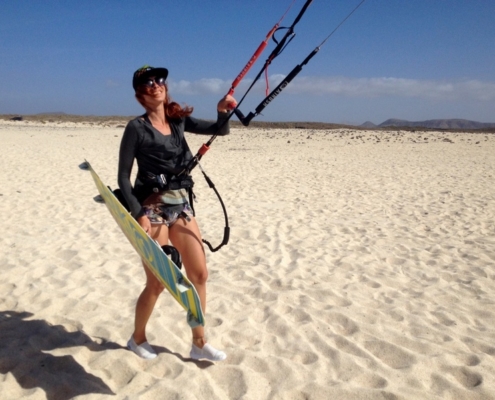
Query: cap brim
156	72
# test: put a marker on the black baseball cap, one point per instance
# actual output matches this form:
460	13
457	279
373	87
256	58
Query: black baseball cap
145	72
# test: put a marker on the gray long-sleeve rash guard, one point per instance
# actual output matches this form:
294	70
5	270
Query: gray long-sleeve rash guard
158	153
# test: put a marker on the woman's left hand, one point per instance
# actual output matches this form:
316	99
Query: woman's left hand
226	104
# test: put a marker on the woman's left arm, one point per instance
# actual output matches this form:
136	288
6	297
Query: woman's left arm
220	127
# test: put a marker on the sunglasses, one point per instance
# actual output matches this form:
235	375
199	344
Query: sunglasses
149	82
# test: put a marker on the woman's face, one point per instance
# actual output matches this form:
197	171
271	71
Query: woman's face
153	91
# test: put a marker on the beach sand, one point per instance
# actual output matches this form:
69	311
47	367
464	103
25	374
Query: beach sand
361	265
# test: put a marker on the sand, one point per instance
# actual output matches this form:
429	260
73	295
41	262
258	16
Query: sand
361	265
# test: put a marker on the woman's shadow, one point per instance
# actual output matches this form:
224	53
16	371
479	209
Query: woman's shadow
23	346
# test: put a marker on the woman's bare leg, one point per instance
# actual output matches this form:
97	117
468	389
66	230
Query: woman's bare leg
148	297
145	305
186	237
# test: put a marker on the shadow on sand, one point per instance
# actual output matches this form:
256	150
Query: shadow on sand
23	346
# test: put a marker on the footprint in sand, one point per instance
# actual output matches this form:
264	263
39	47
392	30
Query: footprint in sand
341	324
371	381
392	355
66	255
467	378
395	261
214	322
244	340
304	358
350	348
477	346
300	316
470	360
443	319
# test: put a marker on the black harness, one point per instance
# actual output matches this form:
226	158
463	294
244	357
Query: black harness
161	182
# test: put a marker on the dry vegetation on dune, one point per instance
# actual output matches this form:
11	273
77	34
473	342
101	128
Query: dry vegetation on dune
63	118
122	120
119	121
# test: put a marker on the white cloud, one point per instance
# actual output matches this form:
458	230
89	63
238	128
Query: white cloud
400	87
203	86
111	83
219	86
352	87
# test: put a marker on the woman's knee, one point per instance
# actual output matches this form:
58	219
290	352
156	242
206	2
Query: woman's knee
154	287
198	275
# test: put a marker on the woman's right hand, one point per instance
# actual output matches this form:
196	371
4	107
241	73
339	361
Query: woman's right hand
145	223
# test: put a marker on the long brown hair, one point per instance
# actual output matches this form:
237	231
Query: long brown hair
173	110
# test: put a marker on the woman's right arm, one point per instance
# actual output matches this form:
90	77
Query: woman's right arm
127	153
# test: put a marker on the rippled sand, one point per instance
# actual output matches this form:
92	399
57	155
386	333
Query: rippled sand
361	265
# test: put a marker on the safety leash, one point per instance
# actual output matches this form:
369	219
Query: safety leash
258	52
226	229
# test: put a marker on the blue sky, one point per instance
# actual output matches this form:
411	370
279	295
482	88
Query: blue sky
414	60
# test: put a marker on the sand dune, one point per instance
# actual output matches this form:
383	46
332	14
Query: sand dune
361	265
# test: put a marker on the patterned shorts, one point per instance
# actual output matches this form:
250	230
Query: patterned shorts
166	214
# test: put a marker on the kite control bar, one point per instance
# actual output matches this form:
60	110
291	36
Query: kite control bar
281	86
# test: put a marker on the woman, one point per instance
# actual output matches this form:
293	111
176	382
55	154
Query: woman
159	200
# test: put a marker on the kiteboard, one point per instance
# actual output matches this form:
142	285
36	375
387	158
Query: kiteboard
151	253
